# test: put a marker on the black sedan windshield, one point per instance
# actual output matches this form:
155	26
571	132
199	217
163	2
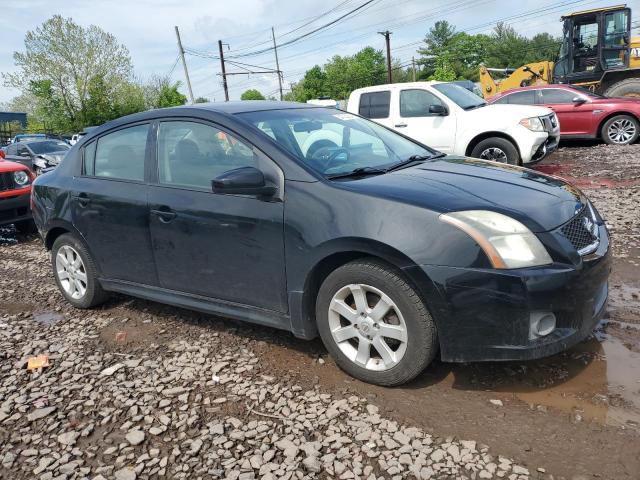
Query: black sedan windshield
333	142
461	96
48	146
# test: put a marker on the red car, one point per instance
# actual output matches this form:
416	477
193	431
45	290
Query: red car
15	192
582	114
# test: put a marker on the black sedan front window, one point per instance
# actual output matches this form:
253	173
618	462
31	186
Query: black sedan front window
333	142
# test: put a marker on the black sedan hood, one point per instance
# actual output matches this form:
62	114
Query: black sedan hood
541	202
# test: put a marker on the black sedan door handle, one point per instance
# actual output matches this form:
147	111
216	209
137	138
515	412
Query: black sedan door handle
165	215
83	199
401	125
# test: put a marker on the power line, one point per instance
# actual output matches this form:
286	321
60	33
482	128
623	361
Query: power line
305	35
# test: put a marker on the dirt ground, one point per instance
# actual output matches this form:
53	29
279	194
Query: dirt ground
575	415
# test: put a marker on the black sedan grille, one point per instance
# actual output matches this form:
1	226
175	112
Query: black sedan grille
582	231
6	181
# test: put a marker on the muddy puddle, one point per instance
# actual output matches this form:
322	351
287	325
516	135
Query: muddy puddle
598	380
47	318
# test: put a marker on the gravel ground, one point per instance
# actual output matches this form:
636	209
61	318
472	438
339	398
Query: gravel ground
183	401
140	390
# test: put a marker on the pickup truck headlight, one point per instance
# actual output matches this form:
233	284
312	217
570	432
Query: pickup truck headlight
533	123
507	242
21	178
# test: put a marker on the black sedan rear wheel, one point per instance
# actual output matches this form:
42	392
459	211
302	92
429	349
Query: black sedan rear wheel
75	272
374	324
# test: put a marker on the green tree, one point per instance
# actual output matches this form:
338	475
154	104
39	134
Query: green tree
345	74
252	94
69	58
160	92
435	42
202	100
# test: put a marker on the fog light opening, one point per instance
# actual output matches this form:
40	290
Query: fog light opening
541	324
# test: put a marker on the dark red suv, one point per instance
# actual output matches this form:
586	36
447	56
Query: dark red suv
15	190
582	114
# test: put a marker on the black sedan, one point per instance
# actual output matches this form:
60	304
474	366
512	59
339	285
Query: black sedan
318	221
38	155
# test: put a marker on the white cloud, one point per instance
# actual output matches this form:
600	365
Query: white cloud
146	27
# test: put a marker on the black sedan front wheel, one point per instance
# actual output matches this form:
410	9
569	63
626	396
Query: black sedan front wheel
374	324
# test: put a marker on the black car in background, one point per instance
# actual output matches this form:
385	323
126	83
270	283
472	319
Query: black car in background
389	250
37	154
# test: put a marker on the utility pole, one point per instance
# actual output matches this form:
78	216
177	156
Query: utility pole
413	67
224	73
184	64
387	34
275	49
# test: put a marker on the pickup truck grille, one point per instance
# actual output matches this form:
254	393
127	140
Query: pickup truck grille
582	231
6	181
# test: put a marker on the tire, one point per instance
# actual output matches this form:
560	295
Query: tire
25	227
629	87
409	357
93	293
491	148
620	130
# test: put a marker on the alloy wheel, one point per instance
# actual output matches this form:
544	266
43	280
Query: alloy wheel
368	327
621	131
494	154
71	272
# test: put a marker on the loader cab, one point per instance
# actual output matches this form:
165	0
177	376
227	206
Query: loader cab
593	42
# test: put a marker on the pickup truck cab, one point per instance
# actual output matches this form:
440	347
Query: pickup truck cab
454	120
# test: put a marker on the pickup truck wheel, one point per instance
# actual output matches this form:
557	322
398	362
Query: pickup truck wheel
25	227
620	130
75	272
374	324
498	150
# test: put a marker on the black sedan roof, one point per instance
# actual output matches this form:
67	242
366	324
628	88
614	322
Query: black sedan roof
221	108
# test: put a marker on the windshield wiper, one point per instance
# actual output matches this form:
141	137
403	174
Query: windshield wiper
356	172
413	159
478	105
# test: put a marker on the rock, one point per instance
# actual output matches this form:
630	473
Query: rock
438	455
68	438
519	470
40	413
126	473
196	445
29	452
497	403
401	438
135	437
312	464
107	372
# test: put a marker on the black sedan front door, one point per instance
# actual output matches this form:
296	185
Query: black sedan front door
225	247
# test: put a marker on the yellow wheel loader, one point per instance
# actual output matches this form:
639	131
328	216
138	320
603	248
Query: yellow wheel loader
597	52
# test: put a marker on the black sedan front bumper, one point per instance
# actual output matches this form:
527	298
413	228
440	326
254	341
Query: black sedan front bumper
14	209
486	314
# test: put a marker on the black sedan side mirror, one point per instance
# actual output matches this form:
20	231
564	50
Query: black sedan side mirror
437	110
243	181
578	100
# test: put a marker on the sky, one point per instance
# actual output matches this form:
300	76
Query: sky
146	28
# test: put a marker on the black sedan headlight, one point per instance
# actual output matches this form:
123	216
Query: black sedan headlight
21	178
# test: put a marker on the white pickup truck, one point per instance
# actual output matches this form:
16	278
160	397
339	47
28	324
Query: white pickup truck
454	120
